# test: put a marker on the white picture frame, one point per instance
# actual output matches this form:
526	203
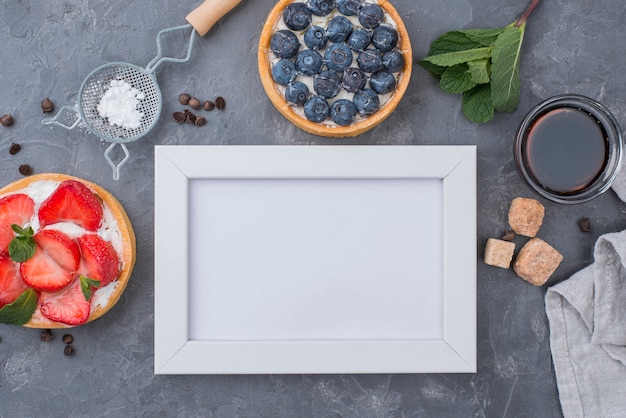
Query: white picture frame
187	177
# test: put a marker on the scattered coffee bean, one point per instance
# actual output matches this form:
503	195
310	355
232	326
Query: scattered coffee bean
220	103
68	339
184	99
46	335
585	225
508	235
15	148
190	117
26	170
208	105
47	106
69	350
200	121
179	117
194	103
6	120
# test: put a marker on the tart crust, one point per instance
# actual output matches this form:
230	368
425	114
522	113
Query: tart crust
356	128
126	231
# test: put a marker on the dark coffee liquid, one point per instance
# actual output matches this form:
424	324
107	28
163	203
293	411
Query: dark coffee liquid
566	150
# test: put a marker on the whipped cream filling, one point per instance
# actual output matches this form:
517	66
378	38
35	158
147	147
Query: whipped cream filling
322	21
39	191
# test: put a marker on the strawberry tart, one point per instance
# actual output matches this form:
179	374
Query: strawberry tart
67	250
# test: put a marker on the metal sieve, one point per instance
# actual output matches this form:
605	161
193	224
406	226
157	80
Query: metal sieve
95	86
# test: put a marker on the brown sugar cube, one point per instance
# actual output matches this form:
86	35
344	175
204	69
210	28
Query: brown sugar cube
536	261
499	253
526	216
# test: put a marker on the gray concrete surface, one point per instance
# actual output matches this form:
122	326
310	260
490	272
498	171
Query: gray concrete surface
48	48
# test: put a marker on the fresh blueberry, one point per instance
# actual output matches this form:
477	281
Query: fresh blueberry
327	84
393	61
337	57
348	7
297	93
339	28
284	44
321	7
385	38
370	60
284	72
383	82
353	79
297	16
366	102
342	112
371	15
309	62
316	109
359	39
315	38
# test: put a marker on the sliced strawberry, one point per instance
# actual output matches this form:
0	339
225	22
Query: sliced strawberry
11	284
99	258
60	247
67	306
72	201
54	264
14	209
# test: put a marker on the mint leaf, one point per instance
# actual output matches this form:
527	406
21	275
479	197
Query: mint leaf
505	79
477	106
86	284
21	310
456	79
458	57
23	246
480	70
453	41
491	58
485	37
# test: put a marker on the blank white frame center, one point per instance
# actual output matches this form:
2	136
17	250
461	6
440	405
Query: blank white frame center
340	259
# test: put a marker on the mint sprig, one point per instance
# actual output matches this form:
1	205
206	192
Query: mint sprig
22	247
21	310
482	65
86	285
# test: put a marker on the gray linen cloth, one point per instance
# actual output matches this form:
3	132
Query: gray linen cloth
587	315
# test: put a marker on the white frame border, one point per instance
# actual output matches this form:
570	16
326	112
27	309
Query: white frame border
175	353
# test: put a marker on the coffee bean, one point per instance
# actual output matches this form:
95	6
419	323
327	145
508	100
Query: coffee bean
15	148
69	350
220	103
191	118
68	339
184	99
26	170
6	120
194	103
508	235
585	225
208	105
200	121
179	117
46	335
47	106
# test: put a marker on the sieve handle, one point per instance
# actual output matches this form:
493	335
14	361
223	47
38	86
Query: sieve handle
56	119
204	16
114	166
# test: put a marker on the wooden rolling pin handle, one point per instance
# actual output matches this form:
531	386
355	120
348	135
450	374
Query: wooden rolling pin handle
209	12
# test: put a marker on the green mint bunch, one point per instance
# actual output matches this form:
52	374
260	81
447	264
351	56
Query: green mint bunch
482	65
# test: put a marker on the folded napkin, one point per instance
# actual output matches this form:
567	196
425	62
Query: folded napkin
587	315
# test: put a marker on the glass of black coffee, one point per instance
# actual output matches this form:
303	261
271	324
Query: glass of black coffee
569	149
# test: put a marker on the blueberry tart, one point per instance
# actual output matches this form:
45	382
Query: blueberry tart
335	68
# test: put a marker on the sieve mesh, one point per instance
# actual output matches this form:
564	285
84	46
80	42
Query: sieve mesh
95	86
